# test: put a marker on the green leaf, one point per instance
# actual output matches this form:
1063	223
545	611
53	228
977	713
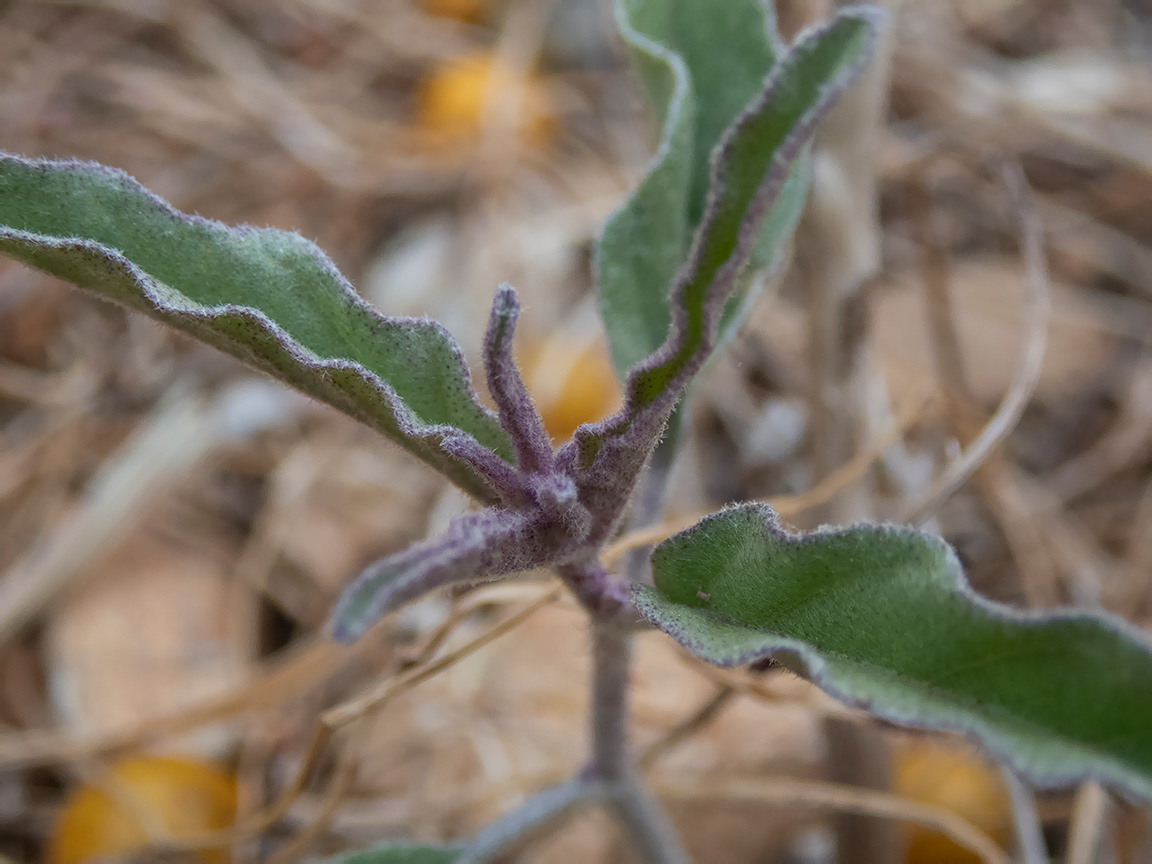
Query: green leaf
268	297
751	168
394	854
700	70
881	618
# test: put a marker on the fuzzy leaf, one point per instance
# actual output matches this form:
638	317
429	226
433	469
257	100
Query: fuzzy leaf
518	415
700	70
482	545
268	297
750	168
397	854
881	618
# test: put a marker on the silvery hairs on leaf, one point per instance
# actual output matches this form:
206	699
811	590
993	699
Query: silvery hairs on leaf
750	166
476	547
696	92
541	520
518	415
566	504
269	297
881	617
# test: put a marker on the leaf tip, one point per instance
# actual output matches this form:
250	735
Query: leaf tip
506	302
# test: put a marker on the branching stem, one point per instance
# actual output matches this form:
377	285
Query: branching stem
647	826
644	823
538	813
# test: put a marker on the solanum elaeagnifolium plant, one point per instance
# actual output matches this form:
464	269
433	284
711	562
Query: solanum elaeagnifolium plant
878	615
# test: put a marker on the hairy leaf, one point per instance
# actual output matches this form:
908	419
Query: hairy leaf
476	547
882	618
700	70
397	854
268	297
518	415
751	166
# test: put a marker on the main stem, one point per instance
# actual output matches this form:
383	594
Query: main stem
611	661
645	824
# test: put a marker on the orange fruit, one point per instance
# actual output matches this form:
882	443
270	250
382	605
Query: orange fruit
572	383
956	778
451	100
470	11
183	796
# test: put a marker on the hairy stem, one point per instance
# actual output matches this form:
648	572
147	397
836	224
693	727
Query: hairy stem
644	823
611	660
518	415
604	595
536	815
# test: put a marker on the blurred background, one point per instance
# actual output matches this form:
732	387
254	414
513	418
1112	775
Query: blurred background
174	528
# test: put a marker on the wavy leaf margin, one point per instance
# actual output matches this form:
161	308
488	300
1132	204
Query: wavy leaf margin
696	92
268	297
882	618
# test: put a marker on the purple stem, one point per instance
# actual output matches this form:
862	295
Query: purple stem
476	547
645	824
518	415
611	661
606	597
505	480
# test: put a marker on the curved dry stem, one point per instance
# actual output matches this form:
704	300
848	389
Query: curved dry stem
1019	524
754	687
695	722
1087	817
267	816
282	678
1037	311
341	782
322	733
1031	848
375	697
835	796
463	608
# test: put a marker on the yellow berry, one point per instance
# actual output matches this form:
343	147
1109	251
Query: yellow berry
957	779
572	383
451	101
471	11
185	797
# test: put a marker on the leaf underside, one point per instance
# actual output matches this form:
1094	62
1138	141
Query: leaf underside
750	169
269	297
752	165
696	92
882	618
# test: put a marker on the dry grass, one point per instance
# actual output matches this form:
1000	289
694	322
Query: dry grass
169	600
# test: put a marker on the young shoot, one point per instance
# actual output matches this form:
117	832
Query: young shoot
879	616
